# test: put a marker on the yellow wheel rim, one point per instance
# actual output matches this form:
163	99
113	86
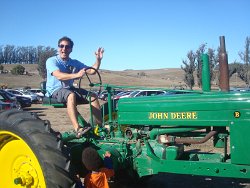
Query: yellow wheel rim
19	165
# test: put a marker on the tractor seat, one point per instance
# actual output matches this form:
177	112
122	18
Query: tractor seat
52	102
49	101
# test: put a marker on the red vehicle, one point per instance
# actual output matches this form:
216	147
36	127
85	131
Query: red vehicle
6	99
5	105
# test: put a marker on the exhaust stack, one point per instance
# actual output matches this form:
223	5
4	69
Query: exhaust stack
223	66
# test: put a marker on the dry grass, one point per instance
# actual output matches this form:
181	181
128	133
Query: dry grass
146	78
166	78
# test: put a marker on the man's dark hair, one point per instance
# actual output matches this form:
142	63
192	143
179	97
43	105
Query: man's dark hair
91	159
66	39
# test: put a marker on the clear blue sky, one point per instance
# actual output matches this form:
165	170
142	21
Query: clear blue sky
136	34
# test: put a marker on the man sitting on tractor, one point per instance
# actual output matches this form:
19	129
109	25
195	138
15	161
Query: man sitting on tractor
61	72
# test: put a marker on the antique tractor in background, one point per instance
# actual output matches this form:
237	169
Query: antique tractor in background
145	135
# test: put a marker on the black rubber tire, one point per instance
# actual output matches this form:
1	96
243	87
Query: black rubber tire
38	135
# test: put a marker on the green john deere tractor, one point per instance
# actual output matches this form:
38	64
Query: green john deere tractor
145	135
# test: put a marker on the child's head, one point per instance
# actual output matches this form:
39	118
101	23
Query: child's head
91	159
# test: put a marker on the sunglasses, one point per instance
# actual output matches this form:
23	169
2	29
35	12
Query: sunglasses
66	46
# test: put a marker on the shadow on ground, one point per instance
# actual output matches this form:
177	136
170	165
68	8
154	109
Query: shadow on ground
38	111
165	180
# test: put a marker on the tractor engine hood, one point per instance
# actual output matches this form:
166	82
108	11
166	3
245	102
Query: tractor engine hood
185	109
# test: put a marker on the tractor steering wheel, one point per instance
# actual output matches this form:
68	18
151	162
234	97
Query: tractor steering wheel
97	81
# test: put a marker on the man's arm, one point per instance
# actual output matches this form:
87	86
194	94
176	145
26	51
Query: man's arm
96	65
108	164
66	76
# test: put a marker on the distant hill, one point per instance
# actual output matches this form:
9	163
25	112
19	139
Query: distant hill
167	78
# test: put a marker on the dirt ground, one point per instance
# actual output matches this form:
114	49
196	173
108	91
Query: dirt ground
57	116
60	122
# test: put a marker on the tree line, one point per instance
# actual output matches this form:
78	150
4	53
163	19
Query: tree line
10	54
192	65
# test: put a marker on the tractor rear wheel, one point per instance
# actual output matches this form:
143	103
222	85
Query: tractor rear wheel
30	155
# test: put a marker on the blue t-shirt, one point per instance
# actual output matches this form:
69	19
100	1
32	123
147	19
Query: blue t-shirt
56	63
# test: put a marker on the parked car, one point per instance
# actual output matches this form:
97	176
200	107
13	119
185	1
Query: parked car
22	102
5	105
38	92
32	96
122	94
241	89
104	94
140	93
10	100
172	92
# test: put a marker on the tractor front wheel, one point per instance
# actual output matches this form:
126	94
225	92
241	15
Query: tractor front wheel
30	155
